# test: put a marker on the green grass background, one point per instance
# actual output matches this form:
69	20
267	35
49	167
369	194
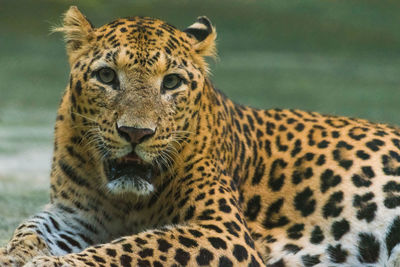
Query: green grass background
336	57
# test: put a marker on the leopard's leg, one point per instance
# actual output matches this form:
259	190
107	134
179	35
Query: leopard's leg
182	245
206	235
50	232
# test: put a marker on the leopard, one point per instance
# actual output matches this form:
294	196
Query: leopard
154	166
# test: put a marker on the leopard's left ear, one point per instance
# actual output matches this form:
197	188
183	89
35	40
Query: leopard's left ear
78	32
203	34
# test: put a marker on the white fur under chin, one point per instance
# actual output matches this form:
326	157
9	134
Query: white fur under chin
127	184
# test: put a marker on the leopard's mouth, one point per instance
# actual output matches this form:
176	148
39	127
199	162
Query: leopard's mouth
129	174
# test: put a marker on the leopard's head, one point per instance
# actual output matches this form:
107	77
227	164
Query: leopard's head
135	88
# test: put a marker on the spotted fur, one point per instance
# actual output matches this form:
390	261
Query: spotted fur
236	186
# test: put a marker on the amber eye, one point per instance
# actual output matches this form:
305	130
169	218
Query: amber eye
171	81
107	76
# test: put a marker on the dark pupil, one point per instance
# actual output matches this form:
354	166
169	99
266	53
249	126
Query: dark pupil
107	75
170	81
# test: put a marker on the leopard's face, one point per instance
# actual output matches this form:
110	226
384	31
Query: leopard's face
136	83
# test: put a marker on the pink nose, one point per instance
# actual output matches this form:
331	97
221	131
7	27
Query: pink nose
135	135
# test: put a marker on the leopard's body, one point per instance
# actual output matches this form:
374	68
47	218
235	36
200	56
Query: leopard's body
236	186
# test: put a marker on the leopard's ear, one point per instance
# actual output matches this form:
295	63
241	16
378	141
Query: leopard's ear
78	32
203	34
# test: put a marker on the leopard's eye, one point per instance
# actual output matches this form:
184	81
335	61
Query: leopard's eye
107	76
171	81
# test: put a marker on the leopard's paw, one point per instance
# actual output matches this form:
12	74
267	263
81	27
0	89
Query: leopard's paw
20	251
8	260
51	261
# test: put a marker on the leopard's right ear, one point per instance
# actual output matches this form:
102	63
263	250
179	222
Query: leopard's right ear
78	32
203	34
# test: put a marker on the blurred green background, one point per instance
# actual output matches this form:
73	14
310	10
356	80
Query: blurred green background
337	57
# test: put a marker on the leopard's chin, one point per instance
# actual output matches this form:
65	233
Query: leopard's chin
129	174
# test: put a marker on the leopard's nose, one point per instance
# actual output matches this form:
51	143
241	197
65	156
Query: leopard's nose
135	135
